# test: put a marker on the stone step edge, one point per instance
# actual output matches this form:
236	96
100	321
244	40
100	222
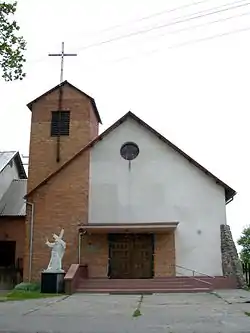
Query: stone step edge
153	290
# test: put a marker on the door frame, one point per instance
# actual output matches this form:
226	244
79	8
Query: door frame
152	261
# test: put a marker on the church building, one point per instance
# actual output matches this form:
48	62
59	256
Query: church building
133	206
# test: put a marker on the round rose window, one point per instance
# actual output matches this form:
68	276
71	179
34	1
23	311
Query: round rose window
129	151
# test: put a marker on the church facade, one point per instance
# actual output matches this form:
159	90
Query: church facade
132	204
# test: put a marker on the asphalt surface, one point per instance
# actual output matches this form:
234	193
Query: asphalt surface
224	311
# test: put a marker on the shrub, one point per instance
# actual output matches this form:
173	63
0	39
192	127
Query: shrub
26	286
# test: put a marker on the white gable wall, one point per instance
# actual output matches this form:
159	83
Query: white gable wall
9	173
160	186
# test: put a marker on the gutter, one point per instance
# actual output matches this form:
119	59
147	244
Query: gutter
227	202
31	238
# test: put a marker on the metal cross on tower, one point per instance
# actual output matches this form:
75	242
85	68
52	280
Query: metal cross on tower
60	99
62	55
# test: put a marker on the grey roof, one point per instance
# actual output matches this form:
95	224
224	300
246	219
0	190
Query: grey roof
13	202
7	156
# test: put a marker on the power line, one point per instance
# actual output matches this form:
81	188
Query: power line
145	54
232	32
153	15
139	20
208	23
204	24
167	24
187	43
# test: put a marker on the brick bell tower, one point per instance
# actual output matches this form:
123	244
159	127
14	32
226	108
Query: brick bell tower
57	135
59	130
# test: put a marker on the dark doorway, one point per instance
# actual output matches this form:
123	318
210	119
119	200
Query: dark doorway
130	256
7	253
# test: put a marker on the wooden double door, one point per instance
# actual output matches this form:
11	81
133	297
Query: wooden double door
131	256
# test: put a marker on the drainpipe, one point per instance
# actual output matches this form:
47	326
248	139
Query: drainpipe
31	237
80	234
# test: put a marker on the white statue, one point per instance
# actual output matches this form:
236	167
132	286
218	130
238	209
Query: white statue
57	252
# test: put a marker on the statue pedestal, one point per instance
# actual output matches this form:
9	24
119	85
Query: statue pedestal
52	282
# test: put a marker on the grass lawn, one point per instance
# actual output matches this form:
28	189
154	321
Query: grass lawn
19	295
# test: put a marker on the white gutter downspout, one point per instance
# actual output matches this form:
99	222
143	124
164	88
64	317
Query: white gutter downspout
31	238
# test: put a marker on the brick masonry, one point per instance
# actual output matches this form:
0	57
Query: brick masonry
63	201
164	258
83	129
94	253
13	229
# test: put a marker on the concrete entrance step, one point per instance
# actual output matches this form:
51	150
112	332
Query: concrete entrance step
141	291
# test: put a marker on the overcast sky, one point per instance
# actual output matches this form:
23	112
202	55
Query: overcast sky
196	93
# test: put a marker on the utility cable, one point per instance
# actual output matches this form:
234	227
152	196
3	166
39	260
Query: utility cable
145	54
136	33
163	26
202	24
152	16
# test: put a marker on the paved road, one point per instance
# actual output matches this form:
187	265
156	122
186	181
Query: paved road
223	312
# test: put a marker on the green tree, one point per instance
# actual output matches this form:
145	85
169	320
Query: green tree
12	46
244	241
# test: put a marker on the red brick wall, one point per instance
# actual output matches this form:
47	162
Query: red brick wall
61	203
83	129
164	255
13	229
94	253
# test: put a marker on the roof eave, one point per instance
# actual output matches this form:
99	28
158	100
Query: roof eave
229	195
12	216
229	192
21	170
96	110
30	104
17	160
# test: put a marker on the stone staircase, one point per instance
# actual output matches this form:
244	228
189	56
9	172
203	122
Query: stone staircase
78	280
157	285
